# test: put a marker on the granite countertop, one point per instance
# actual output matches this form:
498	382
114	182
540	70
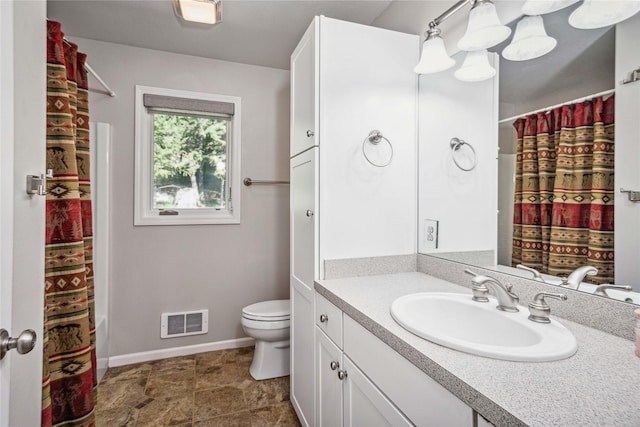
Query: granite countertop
598	386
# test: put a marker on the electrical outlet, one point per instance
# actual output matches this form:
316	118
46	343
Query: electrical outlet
431	234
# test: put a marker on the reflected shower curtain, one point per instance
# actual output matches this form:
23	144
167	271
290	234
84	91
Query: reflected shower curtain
563	208
69	371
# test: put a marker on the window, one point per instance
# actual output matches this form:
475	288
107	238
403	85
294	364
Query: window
187	158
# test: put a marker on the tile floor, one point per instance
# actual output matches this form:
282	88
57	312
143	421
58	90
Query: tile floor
206	389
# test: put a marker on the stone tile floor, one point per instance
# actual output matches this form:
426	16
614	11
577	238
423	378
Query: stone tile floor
206	389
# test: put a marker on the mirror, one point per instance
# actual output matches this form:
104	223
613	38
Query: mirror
582	64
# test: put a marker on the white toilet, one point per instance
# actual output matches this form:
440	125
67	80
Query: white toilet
268	323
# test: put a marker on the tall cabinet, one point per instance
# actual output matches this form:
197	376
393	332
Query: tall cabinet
346	80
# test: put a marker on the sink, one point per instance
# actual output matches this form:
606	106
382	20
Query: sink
456	321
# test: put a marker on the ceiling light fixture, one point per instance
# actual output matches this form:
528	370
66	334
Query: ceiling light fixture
542	7
484	28
434	55
201	11
602	13
529	41
475	67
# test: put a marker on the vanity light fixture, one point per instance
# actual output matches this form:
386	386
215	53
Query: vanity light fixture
541	7
475	67
484	30
529	41
602	13
201	11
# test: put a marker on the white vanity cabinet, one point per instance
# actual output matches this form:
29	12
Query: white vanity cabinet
345	397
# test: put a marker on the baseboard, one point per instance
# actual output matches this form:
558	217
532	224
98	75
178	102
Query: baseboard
146	356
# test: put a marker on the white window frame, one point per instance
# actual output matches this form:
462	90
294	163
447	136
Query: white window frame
144	213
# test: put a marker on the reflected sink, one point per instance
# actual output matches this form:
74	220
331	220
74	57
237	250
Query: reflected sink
456	321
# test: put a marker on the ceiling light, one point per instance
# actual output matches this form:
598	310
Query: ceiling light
201	11
530	40
484	28
434	55
602	13
475	67
541	7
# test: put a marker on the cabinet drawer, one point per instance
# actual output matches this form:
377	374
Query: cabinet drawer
329	319
418	396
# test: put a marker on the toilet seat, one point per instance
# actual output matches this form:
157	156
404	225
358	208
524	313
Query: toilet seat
268	311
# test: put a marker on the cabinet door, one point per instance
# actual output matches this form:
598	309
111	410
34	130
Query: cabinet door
303	169
364	404
303	93
329	386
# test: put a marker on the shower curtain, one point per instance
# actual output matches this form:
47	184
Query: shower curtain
69	371
563	207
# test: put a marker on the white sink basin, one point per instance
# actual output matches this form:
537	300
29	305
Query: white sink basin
456	321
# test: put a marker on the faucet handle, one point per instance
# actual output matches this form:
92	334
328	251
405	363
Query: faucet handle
480	290
539	310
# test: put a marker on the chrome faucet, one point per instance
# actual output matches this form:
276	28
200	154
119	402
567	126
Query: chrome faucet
539	310
602	289
482	285
577	276
536	274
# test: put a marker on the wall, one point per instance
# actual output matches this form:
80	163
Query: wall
223	268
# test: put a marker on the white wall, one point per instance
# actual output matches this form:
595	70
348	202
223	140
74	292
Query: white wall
223	268
367	83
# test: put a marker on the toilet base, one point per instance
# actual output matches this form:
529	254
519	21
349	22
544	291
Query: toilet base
270	360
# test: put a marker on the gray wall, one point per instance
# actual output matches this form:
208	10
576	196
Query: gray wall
222	268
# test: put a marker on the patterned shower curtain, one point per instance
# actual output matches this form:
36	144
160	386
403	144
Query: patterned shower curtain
563	207
69	371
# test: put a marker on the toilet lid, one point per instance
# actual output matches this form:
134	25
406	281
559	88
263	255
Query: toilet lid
268	310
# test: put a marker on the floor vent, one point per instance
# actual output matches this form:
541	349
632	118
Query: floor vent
185	323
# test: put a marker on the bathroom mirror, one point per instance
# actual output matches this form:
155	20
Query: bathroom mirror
582	64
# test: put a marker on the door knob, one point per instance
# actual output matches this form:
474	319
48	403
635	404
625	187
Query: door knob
324	318
309	213
310	133
334	365
24	343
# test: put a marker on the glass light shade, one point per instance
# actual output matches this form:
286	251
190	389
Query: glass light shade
541	7
201	11
530	40
602	13
434	57
484	28
475	67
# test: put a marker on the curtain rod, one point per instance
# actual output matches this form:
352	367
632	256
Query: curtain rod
92	71
574	101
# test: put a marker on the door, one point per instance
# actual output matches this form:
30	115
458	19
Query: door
22	217
329	386
304	92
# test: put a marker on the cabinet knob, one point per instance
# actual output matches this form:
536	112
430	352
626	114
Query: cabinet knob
324	318
342	374
334	365
310	133
309	213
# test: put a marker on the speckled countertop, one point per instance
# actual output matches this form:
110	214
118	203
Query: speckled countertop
598	386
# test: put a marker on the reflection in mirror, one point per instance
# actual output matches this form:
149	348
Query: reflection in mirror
582	65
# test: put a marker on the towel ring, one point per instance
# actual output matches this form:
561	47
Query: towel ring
456	144
375	137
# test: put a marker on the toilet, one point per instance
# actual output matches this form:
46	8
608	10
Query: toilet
268	323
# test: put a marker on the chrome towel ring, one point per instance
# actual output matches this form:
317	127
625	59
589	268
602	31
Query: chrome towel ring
374	138
456	144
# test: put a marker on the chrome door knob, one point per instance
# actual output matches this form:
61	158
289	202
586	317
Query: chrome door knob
309	213
342	374
334	365
310	133
324	318
24	343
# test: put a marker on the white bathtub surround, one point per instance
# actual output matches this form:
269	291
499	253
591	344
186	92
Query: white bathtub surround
506	393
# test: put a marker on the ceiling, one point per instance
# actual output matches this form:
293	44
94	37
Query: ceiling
257	32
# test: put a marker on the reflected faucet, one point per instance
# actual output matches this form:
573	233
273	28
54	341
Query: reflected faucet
507	300
536	274
602	289
577	276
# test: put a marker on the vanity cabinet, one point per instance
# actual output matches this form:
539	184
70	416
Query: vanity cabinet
345	397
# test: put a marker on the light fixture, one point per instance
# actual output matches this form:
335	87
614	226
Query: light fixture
434	55
602	13
201	11
475	67
484	28
529	41
541	7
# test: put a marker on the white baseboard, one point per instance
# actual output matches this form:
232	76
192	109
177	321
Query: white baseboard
146	356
